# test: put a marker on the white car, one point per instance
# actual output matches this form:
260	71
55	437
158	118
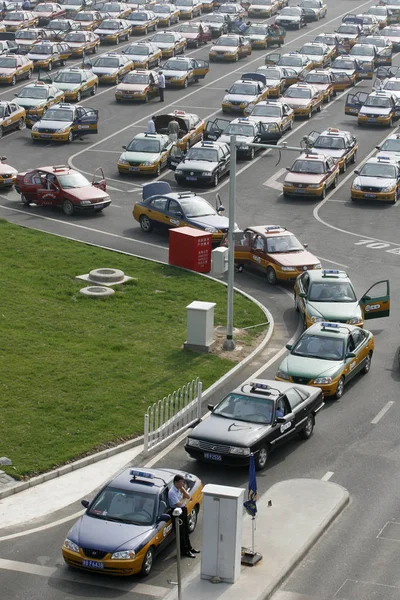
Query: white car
390	148
291	17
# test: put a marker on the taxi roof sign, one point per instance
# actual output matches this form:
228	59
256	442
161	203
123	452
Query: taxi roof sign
144	474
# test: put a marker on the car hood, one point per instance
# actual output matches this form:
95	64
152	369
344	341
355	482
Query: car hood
297	70
239	98
138	57
301	366
321	86
89	532
335	311
362	59
256	36
89	192
132	87
378	182
334	153
374	110
33	56
6	71
296	259
104	70
30	102
190	35
140	156
101	31
394	155
198	165
297	101
174	73
258	119
164	44
67	86
184	8
6	170
348	36
287	18
138	22
231	432
76	44
348	72
224	48
272	82
305	178
217	221
44	124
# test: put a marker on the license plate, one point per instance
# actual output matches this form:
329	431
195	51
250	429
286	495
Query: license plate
191	178
371	120
45	135
7	180
211	456
300	191
127	95
92	564
370	195
212	137
134	168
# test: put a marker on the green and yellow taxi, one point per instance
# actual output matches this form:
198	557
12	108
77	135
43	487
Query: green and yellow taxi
230	47
180	71
250	89
12	116
168	14
88	19
36	97
311	175
328	355
113	31
76	83
258	34
191	127
169	42
21	19
82	42
329	295
341	145
304	99
46	55
320	54
8	175
146	154
144	55
14	67
111	67
142	21
64	122
138	86
377	179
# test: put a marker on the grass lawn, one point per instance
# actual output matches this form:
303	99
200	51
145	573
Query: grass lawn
78	373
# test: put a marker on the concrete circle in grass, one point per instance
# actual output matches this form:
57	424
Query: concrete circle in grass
107	275
97	291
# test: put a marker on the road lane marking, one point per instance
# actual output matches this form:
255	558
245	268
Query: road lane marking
382	412
107	151
272	181
334	262
327	476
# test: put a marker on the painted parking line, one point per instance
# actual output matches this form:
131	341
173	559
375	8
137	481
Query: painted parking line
382	412
327	476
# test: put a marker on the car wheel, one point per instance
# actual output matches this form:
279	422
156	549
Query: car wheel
309	114
185	83
215	180
169	23
339	388
344	168
63	63
323	194
117	80
145	31
367	365
68	208
13	80
391	122
308	428
192	519
290	125
271	276
158	173
261	458
95	49
29	74
299	26
78	97
117	41
236	57
147	98
94	90
145	224
50	67
196	44
159	62
296	306
21	124
147	563
335	181
251	154
354	158
25	200
70	137
319	108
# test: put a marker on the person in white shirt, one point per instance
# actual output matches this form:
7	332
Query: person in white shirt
177	497
161	85
151	126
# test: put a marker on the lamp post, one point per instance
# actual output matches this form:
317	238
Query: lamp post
176	513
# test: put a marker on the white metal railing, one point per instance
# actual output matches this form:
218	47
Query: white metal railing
172	414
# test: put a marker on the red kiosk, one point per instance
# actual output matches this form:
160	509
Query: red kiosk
190	248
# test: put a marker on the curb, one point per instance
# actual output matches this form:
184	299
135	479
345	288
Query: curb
94	458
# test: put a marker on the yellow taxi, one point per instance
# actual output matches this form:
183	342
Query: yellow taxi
142	21
230	47
262	8
37	97
46	55
146	154
377	179
64	122
380	108
14	67
381	13
273	114
311	175
168	14
275	252
21	19
298	63
115	10
250	89
304	99
8	175
258	34
333	40
139	86
341	145
88	19
82	42
2	27
278	79
180	71
169	42
144	55
110	67
113	31
319	54
323	80
345	69
12	116
75	83
191	127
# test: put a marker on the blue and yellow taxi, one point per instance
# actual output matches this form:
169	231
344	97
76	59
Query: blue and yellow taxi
142	21
380	108
250	89
324	80
46	55
304	99
230	47
138	86
111	67
113	31
377	179
82	42
311	175
8	175
12	116
180	71
146	154
278	79
168	14
64	122
341	145
75	83
37	97
170	43
144	55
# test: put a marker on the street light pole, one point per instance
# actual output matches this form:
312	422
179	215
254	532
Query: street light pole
176	513
229	343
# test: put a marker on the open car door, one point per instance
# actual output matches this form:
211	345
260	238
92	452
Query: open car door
87	122
175	156
341	81
375	307
387	72
354	102
201	68
309	140
215	128
242	240
273	58
45	77
99	179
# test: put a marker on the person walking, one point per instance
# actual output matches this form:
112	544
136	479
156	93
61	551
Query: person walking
151	125
173	130
161	85
177	497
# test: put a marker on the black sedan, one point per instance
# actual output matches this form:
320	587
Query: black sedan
255	418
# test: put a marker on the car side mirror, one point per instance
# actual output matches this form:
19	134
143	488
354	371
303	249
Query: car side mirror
378	147
164	518
302	295
287	168
227	90
305	245
123	147
85	503
356	172
350	355
210	407
289	346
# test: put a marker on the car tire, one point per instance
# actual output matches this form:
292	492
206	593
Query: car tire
147	98
169	23
236	57
63	63
29	74
158	172
391	122
215	180
78	97
339	389
146	31
145	224
25	200
147	563
309	114
251	154
344	168
271	276
367	365
13	81
299	26
308	428
117	41
192	519
95	49
50	67
296	306
21	124
185	83
117	80
290	125
323	195
68	208
353	158
93	90
335	182
261	458
319	108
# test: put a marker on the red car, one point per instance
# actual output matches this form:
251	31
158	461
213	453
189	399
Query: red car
46	11
63	187
195	33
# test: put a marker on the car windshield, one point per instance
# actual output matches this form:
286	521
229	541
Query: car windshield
137	16
144	145
163	37
239	129
1	111
298	93
330	141
287	11
329	40
8	62
74	2
317	78
245	89
315	50
362	51
380	11
214	19
229	9
58	114
84	17
184	3
124	506
162	8
310	4
379	170
138	50
60	25
110	7
319	346
378	101
332	291
73	180
14	16
207	154
196	207
257	30
75	37
266	111
41	49
283	243
177	65
290	61
227	41
391	32
26	35
308	166
262	2
269	73
109	25
44	8
349	29
65	77
342	63
188	28
108	62
136	78
392	145
246	408
38	93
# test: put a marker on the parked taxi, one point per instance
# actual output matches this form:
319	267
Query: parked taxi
14	67
393	8
46	11
275	114
230	47
329	295
115	10
378	108
64	122
319	54
249	89
14	21
188	9
82	42
112	31
191	127
367	57
143	21
88	19
304	99
299	63
332	40
349	33
57	29
258	34
76	82
275	252
392	32
262	8
169	42
328	355
195	33
278	79
377	179
110	67
26	38
8	175
311	175
168	14
341	145
384	48
324	81
12	116
143	55
46	55
314	9
345	68
180	71
381	13
138	86
146	154
36	97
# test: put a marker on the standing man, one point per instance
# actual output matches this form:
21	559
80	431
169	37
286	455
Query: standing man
177	497
173	130
151	126
161	85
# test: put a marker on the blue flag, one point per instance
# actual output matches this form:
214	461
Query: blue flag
252	495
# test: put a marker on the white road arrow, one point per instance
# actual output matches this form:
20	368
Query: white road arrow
272	181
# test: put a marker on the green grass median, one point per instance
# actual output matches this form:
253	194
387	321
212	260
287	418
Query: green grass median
77	374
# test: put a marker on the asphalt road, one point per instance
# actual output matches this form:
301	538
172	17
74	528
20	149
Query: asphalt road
355	444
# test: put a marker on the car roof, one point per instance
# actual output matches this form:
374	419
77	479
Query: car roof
270	230
328	275
332	330
152	136
57	169
311	156
151	480
209	144
265	388
334	132
382	160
